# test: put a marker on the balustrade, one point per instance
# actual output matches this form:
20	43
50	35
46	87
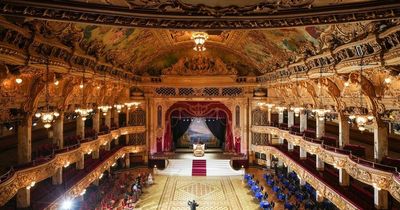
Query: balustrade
378	175
22	176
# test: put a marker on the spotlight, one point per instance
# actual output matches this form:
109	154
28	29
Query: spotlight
66	204
9	126
18	80
56	82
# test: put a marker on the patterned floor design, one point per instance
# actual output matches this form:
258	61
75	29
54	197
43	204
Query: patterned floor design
212	193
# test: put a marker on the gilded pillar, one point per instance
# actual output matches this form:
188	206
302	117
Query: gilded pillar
344	178
344	131
23	198
381	199
80	127
380	141
319	163
116	117
107	120
25	140
303	121
57	177
80	164
320	127
303	154
58	131
96	121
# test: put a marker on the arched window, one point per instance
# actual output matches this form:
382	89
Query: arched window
159	116
237	114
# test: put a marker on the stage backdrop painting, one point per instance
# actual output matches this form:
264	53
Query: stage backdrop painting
199	131
193	122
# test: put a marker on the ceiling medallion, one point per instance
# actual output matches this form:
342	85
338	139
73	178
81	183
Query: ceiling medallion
199	40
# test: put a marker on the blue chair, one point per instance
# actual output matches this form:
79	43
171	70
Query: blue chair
255	188
259	195
288	205
265	205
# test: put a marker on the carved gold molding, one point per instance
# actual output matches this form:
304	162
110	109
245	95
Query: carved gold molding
374	177
23	178
320	187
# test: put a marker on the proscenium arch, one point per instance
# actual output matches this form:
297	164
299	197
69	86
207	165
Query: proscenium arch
208	106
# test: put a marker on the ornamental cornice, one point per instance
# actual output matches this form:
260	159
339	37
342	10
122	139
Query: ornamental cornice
179	15
321	188
24	177
371	176
378	50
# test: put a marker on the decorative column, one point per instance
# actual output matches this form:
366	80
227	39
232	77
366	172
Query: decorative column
303	154
80	164
280	121
290	124
24	156
344	178
108	146
319	163
344	130
95	154
127	161
116	117
96	121
380	141
290	119
107	120
127	116
80	127
280	162
303	121
57	177
280	117
268	161
58	131
320	127
269	136
381	199
25	140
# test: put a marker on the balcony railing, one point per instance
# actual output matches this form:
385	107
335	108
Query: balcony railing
372	173
23	175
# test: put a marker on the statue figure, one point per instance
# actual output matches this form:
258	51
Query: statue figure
193	205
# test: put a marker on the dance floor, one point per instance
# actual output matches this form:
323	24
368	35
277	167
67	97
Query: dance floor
216	193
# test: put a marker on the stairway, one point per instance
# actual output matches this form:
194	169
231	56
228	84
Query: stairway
199	168
221	168
178	167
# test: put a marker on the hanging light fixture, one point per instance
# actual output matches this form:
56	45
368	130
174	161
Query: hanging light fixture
132	104
320	110
199	40
47	116
104	108
83	111
360	115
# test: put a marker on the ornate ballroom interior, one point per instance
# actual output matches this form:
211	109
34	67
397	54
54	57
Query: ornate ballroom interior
97	96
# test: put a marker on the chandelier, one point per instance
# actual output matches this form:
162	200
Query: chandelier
119	107
296	110
47	116
320	110
83	112
361	115
104	108
199	40
134	104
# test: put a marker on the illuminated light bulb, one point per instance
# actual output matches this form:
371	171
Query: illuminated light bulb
38	114
56	82
83	118
388	80
56	114
361	128
352	117
47	125
346	84
18	80
81	86
98	87
370	117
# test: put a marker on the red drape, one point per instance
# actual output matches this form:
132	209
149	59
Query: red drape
198	109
